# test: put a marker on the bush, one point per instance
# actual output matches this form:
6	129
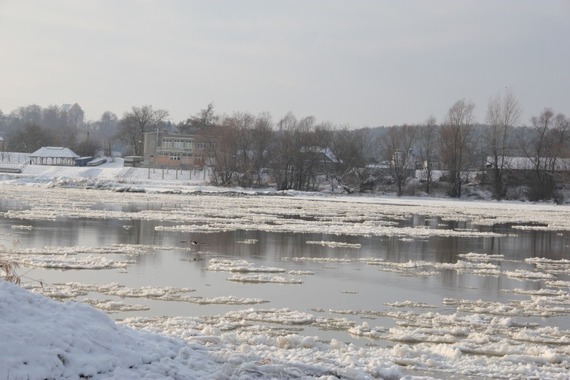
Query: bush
10	275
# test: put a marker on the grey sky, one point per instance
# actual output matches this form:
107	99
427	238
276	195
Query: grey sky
359	63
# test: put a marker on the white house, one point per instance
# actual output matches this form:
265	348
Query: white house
53	155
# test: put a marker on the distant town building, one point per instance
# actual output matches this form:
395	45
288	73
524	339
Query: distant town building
174	150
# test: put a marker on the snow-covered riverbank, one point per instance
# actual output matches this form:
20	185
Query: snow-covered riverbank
111	174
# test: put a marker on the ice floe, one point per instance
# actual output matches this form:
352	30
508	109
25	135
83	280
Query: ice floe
247	241
229	265
249	213
22	227
264	279
66	262
472	256
334	244
168	293
112	306
301	272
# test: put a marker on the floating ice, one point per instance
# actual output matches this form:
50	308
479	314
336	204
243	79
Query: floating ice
318	259
537	306
301	272
228	265
410	304
227	300
22	227
168	293
263	279
247	241
112	306
472	256
334	244
248	213
553	267
528	275
65	262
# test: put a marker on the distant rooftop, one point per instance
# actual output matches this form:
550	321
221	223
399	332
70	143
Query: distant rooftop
67	107
54	151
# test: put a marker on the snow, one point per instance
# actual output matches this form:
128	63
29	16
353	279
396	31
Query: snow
43	338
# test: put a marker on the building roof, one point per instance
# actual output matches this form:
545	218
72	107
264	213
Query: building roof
68	107
54	152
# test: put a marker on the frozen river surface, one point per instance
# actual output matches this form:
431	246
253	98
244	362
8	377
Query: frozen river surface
389	287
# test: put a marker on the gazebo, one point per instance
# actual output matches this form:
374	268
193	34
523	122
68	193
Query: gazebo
53	155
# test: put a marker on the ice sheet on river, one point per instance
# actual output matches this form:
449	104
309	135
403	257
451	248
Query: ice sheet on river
166	293
333	216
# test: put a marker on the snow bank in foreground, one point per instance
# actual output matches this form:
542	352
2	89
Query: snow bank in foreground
42	338
46	339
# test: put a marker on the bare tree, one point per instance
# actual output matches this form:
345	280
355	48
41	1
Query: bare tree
261	141
503	113
241	151
351	150
136	123
305	145
427	143
107	126
397	148
282	162
298	153
66	135
31	114
455	139
3	123
239	133
52	118
203	119
223	151
544	148
29	139
87	147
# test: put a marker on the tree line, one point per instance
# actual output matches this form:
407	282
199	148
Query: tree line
302	154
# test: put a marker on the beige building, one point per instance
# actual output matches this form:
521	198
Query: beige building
174	150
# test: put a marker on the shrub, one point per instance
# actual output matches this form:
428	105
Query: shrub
10	275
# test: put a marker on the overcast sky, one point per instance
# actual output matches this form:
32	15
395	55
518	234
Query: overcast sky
355	63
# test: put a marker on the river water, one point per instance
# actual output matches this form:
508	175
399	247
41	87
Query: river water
335	277
481	288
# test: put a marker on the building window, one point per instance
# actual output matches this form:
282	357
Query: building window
177	143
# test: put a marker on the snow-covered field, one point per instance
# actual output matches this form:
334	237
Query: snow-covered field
41	338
